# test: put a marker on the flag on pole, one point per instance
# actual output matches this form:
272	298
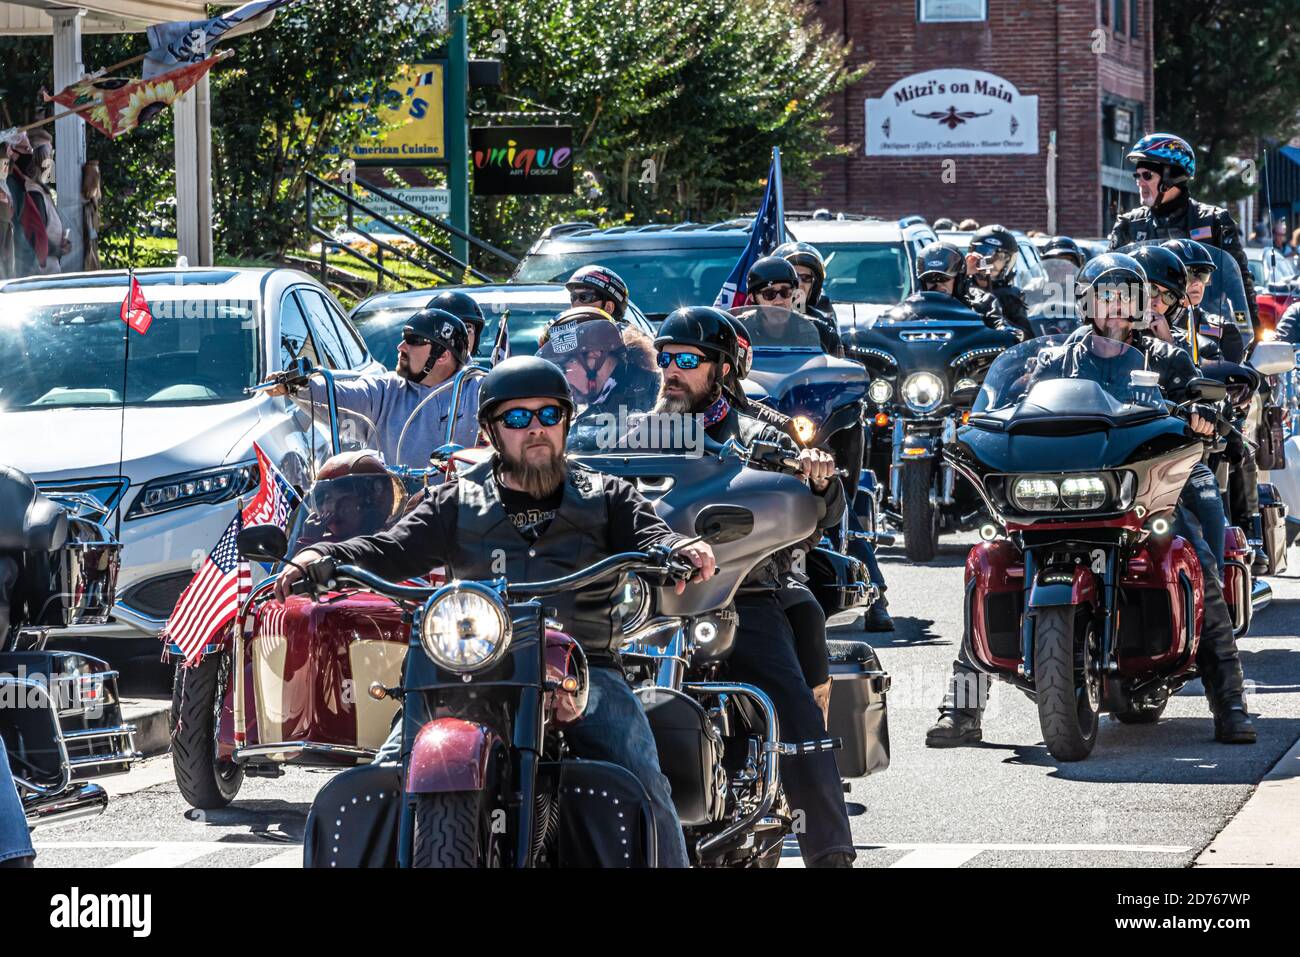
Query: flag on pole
135	308
767	233
189	41
275	497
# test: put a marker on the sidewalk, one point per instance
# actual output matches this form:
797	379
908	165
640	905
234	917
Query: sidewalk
1266	831
150	716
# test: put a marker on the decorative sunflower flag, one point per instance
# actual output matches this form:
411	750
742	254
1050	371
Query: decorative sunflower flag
123	103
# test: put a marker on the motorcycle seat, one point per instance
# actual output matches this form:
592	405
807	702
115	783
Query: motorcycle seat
842	652
29	522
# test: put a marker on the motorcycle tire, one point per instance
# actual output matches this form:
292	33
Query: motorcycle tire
1067	713
920	519
452	831
206	781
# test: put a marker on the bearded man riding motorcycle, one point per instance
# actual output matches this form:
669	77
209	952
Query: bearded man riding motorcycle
544	517
1111	292
697	351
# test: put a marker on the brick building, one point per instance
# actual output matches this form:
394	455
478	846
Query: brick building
1088	62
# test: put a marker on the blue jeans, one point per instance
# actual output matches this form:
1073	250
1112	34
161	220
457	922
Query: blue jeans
15	840
614	728
1203	498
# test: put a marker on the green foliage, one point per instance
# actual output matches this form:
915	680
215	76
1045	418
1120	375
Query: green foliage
1227	75
702	88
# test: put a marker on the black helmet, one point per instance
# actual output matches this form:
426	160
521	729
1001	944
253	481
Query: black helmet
1163	268
705	327
988	240
744	349
443	328
463	307
522	377
606	282
806	255
1192	254
1063	247
1112	269
940	259
769	270
945	223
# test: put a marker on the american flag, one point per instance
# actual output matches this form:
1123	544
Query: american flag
767	234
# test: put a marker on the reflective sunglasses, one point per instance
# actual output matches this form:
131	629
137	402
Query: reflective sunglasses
773	293
1200	274
685	360
547	415
585	297
1164	295
1145	175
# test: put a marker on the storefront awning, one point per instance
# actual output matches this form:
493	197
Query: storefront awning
1282	173
18	17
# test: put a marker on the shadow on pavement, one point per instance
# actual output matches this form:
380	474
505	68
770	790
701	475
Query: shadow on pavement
257	816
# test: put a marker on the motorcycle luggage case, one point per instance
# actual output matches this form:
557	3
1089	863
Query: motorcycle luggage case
1272	514
859	712
355	818
690	752
840	582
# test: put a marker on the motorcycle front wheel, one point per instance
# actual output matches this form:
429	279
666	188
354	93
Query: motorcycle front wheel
1067	690
920	519
454	830
205	779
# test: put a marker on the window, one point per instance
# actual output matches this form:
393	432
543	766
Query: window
1105	12
1134	20
352	345
1119	16
949	11
327	338
295	339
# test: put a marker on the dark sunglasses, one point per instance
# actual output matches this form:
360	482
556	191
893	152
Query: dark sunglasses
1164	295
1145	175
773	293
585	297
1200	275
411	339
547	415
685	360
933	282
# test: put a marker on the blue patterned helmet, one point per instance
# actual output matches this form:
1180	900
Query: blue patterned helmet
1173	152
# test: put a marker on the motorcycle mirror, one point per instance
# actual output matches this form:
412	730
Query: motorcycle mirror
263	543
719	524
1207	390
1273	358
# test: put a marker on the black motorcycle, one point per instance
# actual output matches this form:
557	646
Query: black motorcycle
927	358
60	715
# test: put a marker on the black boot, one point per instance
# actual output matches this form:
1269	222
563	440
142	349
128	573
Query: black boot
1259	564
835	859
956	727
877	618
1220	666
1232	725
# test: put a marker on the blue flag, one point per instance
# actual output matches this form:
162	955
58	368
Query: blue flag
768	233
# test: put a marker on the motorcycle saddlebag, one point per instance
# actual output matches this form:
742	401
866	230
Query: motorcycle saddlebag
859	713
690	752
838	581
605	817
355	819
1272	514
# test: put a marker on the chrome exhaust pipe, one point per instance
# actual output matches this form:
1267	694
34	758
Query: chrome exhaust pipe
1261	595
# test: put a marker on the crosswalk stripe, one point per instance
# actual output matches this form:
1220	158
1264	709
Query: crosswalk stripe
938	856
167	855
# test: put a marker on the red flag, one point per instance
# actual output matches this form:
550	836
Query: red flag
135	308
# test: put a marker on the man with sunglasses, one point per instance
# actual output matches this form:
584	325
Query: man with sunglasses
990	267
942	268
608	365
529	507
599	288
810	270
1165	164
774	282
697	352
434	347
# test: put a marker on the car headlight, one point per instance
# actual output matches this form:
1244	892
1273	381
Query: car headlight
923	392
880	391
209	487
465	627
804	427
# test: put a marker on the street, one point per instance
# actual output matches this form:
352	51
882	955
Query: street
1147	797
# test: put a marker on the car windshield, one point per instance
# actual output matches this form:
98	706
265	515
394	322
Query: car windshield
660	279
1079	374
73	354
341	508
381	326
771	327
866	272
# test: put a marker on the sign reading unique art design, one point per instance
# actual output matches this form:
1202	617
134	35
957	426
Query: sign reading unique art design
513	160
952	113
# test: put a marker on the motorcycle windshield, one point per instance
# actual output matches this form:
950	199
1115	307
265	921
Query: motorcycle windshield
1076	375
591	356
1225	294
340	508
771	327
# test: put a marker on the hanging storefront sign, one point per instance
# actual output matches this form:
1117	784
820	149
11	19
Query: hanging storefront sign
408	128
521	160
952	113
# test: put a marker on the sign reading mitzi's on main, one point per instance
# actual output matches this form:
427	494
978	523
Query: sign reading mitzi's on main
513	160
951	113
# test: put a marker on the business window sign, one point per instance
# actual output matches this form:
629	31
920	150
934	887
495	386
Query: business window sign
521	160
952	113
408	128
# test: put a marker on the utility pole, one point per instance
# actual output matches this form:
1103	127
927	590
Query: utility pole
456	120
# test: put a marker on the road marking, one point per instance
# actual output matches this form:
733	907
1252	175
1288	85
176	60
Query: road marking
939	855
168	855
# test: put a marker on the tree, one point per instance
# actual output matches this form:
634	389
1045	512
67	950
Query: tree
1227	75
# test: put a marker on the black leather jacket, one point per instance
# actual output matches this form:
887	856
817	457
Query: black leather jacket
987	307
1012	302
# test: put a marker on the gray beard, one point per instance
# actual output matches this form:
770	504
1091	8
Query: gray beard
537	481
673	406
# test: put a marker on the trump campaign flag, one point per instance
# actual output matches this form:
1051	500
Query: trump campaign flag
135	308
767	233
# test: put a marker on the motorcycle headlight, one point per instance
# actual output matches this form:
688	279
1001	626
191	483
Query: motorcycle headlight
804	427
923	392
965	384
1075	493
880	391
208	486
1035	495
465	627
1083	492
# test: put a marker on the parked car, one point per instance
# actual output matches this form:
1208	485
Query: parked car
154	432
531	307
1275	279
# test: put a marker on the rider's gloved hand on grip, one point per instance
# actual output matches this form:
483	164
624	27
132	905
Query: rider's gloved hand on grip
292	580
1203	420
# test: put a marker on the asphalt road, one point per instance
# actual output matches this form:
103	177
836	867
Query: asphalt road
1148	796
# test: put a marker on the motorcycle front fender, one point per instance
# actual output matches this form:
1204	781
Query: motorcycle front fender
450	754
1053	589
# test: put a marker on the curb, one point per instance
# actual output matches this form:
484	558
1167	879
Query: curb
150	717
1266	831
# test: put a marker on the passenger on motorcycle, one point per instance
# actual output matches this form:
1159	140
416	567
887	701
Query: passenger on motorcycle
528	507
697	351
773	281
811	269
434	347
464	308
607	365
599	288
991	266
942	268
1111	293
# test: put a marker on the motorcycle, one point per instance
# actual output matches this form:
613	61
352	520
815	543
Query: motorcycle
927	358
60	713
1079	594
